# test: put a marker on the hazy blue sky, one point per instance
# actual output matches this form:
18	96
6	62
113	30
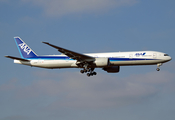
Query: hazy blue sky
85	26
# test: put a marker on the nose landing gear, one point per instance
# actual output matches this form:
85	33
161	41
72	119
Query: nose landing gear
158	65
158	69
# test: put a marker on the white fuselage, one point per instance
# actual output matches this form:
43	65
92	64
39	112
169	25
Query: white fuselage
115	59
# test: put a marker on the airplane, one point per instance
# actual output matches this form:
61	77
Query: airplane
109	62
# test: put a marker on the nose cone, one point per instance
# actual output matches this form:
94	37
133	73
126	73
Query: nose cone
170	58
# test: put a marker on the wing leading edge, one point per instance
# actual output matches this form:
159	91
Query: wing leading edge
72	54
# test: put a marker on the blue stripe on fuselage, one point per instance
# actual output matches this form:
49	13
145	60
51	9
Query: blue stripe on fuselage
68	58
128	59
51	58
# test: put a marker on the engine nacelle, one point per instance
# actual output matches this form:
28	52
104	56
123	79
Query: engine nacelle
101	62
113	69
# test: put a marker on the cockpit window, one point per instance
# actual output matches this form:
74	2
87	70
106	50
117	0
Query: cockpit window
166	55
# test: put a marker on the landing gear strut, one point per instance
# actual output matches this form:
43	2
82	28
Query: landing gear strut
158	65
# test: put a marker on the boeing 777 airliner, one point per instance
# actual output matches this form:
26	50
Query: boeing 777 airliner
109	62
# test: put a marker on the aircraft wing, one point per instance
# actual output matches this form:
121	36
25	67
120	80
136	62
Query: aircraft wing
16	58
72	54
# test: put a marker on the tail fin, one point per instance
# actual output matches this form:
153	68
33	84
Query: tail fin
24	50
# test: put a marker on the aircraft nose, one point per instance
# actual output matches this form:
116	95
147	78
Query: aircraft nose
170	58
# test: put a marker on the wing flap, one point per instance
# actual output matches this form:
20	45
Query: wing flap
16	58
72	54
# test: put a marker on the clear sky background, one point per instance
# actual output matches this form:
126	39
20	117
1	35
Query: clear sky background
85	26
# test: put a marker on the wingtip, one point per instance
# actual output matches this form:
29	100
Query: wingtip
6	56
45	42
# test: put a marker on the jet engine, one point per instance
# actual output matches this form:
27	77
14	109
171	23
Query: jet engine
101	62
113	69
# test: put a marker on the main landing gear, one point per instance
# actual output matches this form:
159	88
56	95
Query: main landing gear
158	65
89	71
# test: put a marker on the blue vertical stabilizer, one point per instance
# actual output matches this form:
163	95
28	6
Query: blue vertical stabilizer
24	50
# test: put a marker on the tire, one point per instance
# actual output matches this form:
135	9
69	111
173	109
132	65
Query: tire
158	69
88	74
82	71
94	73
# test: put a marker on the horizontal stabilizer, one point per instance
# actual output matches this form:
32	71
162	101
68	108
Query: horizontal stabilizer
16	58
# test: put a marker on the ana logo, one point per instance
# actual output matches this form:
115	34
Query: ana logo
140	54
25	48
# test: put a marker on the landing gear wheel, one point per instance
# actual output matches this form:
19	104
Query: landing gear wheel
82	71
158	69
88	74
88	70
94	73
85	71
91	74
